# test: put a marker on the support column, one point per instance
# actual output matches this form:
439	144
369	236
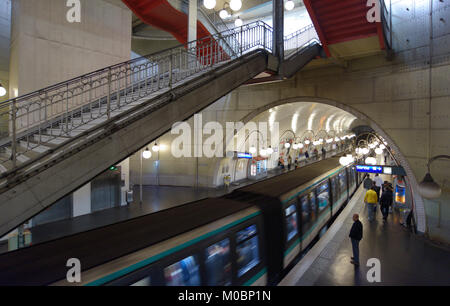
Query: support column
192	20
278	28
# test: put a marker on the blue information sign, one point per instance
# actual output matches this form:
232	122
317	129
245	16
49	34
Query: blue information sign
369	169
244	155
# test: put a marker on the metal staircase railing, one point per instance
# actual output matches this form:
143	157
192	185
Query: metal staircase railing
41	121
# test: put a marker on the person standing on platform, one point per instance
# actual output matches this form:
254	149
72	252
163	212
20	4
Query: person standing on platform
378	183
296	162
371	200
306	155
324	153
289	162
356	234
386	201
368	183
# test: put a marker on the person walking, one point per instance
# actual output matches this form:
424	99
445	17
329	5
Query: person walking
378	183
356	234
386	202
371	200
368	183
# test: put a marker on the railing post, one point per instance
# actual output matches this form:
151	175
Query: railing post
67	108
241	33
14	135
170	69
108	103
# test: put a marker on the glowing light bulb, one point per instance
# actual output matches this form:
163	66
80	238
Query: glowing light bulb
289	5
209	4
147	154
224	14
235	5
238	22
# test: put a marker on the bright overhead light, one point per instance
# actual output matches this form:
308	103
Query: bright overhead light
379	151
235	5
287	145
209	4
365	151
269	150
329	140
147	154
307	142
252	150
316	143
238	22
156	148
2	91
263	152
382	146
224	14
300	145
294	146
289	5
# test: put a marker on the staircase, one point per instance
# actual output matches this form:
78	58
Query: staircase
343	27
63	136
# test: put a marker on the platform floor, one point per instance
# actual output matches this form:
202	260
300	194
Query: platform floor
405	258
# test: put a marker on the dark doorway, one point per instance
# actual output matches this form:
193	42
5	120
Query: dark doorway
105	190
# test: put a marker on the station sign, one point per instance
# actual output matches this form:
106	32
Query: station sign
244	155
369	169
388	170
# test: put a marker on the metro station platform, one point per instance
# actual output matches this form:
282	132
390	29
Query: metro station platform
405	258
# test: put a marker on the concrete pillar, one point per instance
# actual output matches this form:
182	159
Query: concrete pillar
192	20
82	201
278	28
125	173
47	49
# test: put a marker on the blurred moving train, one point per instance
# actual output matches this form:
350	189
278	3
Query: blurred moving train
251	236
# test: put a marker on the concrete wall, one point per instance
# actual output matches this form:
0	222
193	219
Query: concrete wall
46	49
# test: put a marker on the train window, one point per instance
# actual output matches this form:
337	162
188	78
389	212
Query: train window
291	221
335	189
247	249
313	206
218	265
323	196
305	212
342	182
143	282
183	273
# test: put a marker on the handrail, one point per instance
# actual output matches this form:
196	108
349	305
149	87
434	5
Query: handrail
89	74
48	118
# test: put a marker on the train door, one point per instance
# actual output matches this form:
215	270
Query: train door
323	198
292	232
335	195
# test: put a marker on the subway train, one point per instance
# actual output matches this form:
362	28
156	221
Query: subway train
251	236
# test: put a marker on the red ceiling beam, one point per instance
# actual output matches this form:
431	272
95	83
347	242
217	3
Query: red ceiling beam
317	26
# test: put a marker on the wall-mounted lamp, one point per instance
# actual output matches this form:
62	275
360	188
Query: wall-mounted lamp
428	188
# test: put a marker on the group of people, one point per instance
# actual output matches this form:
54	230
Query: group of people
296	162
372	197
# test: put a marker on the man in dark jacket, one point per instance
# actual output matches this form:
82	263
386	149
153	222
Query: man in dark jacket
356	234
386	201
